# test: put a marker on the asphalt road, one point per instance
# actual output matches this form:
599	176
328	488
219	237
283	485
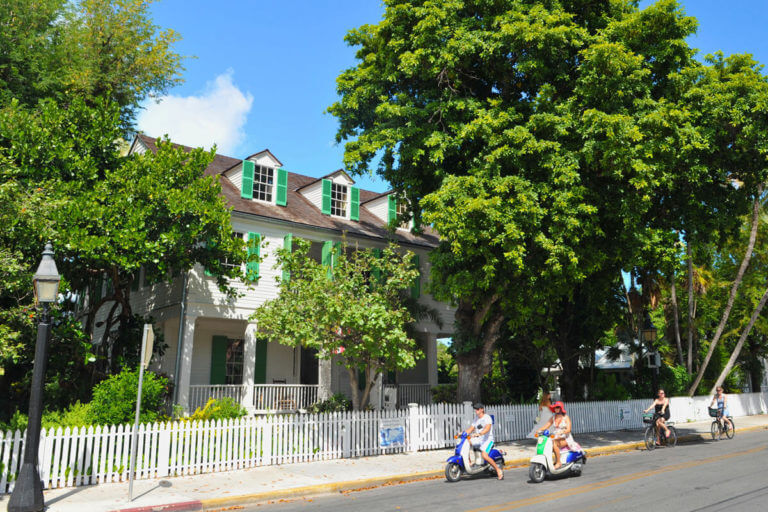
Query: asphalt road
727	475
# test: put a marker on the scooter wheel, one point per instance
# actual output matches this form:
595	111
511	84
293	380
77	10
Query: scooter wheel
452	472
537	473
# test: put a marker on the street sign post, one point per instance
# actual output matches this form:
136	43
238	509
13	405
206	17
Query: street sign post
147	343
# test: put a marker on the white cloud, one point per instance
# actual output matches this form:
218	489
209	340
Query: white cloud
217	116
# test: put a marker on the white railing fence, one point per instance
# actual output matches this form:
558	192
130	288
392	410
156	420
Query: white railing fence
411	394
283	397
200	394
73	457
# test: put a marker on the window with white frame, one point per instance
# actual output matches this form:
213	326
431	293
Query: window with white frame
234	369
226	263
338	200
263	183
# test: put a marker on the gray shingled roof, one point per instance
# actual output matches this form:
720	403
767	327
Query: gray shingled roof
300	210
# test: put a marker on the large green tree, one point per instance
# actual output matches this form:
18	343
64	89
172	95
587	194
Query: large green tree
350	307
538	137
90	48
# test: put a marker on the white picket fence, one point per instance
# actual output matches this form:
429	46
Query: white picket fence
85	456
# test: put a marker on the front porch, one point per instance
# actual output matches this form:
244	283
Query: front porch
257	398
226	358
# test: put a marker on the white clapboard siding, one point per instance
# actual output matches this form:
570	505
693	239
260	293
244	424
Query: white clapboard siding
91	455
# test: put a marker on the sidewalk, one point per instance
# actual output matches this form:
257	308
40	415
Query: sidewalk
218	490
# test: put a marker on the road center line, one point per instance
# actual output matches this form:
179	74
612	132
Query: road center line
610	482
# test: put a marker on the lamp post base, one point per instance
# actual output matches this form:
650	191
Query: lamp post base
27	494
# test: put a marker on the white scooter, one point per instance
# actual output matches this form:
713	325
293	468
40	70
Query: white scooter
543	463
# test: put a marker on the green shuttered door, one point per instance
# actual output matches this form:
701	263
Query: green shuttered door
246	191
260	372
219	360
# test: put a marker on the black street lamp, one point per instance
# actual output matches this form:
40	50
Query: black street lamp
648	334
27	494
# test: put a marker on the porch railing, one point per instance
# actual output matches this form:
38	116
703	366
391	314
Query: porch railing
200	394
283	397
412	394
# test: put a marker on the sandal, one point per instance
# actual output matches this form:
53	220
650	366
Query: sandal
501	476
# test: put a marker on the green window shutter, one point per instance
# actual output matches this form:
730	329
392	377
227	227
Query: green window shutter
246	191
354	212
288	245
327	257
326	209
416	286
219	360
97	290
282	187
260	370
135	280
391	209
254	251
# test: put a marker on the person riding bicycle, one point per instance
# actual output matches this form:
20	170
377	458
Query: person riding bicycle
722	404
661	414
561	431
483	436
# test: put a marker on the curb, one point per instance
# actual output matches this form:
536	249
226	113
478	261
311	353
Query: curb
352	485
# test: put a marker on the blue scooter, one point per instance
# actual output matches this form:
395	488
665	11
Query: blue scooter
459	464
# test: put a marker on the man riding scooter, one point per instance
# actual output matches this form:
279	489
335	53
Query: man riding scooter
483	436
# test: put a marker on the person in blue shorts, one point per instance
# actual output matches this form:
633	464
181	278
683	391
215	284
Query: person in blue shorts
722	403
482	436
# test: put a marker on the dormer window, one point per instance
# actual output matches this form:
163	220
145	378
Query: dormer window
261	180
263	183
338	200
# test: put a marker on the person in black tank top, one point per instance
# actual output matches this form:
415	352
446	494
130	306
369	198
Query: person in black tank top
661	413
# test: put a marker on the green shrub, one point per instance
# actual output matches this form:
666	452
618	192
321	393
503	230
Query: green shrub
219	409
76	415
114	399
337	403
607	387
444	393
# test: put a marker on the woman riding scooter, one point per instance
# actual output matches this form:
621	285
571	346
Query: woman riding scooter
561	428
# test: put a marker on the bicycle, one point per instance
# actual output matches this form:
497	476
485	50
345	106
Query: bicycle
652	433
720	427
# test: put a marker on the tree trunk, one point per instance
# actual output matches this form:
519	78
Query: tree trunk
480	327
732	296
691	313
673	293
355	389
740	344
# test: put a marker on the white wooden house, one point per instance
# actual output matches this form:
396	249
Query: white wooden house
214	349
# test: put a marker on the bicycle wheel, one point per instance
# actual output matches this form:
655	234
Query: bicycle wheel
715	429
650	438
672	439
730	430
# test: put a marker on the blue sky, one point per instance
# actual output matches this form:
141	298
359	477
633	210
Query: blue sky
264	72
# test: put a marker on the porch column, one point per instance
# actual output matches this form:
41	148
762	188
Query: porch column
431	350
249	366
185	368
323	379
